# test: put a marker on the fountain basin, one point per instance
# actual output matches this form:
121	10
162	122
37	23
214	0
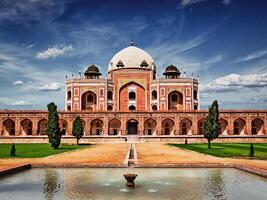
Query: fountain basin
130	179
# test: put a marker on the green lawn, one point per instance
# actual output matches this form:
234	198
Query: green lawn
35	150
227	149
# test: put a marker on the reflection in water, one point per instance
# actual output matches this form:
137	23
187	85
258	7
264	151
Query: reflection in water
156	184
214	186
51	185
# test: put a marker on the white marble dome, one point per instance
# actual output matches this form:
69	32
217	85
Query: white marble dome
131	57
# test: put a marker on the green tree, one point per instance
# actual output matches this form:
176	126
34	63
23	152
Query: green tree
13	150
211	124
53	131
77	129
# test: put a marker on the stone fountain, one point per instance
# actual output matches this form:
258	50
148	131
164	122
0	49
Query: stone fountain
130	179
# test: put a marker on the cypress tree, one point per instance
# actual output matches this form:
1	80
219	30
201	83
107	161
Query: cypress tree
13	150
251	150
77	129
211	124
53	131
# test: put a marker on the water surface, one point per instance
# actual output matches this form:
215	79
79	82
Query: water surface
109	183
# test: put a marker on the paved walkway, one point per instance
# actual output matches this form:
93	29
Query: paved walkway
97	155
148	154
162	154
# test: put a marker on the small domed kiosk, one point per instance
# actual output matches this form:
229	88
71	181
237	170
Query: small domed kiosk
172	72
92	72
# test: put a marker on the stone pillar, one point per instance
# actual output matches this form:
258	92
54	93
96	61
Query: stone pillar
248	126
105	125
17	126
230	126
176	125
1	125
34	126
69	129
87	126
194	125
159	123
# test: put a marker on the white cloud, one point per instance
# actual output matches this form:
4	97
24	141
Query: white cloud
19	82
21	103
54	86
251	56
54	52
234	82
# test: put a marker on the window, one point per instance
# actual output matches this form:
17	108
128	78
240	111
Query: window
174	98
154	95
195	94
162	92
90	98
69	108
154	108
101	92
110	107
132	95
69	95
110	95
132	107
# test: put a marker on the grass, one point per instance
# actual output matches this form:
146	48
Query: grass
227	149
35	150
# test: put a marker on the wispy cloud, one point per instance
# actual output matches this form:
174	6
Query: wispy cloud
54	52
184	3
226	2
252	56
189	2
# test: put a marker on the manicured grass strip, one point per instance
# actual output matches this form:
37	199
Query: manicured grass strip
227	149
35	150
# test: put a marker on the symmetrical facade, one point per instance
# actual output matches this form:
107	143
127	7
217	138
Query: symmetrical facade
133	100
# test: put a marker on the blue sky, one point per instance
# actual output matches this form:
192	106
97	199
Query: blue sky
222	41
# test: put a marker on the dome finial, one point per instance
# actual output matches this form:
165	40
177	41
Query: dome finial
132	42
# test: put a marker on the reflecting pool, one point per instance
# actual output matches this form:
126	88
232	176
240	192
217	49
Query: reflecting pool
151	183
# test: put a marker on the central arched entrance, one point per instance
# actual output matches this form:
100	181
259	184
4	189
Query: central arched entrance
132	125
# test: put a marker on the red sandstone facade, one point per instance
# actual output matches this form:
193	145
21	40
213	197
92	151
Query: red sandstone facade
133	100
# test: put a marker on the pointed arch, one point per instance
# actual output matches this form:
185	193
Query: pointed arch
239	126
9	127
185	126
132	126
132	93
96	127
42	127
89	101
257	125
114	127
26	127
63	125
224	126
200	125
175	100
150	126
167	126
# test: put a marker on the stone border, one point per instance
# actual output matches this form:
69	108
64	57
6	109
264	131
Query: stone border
15	169
23	167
